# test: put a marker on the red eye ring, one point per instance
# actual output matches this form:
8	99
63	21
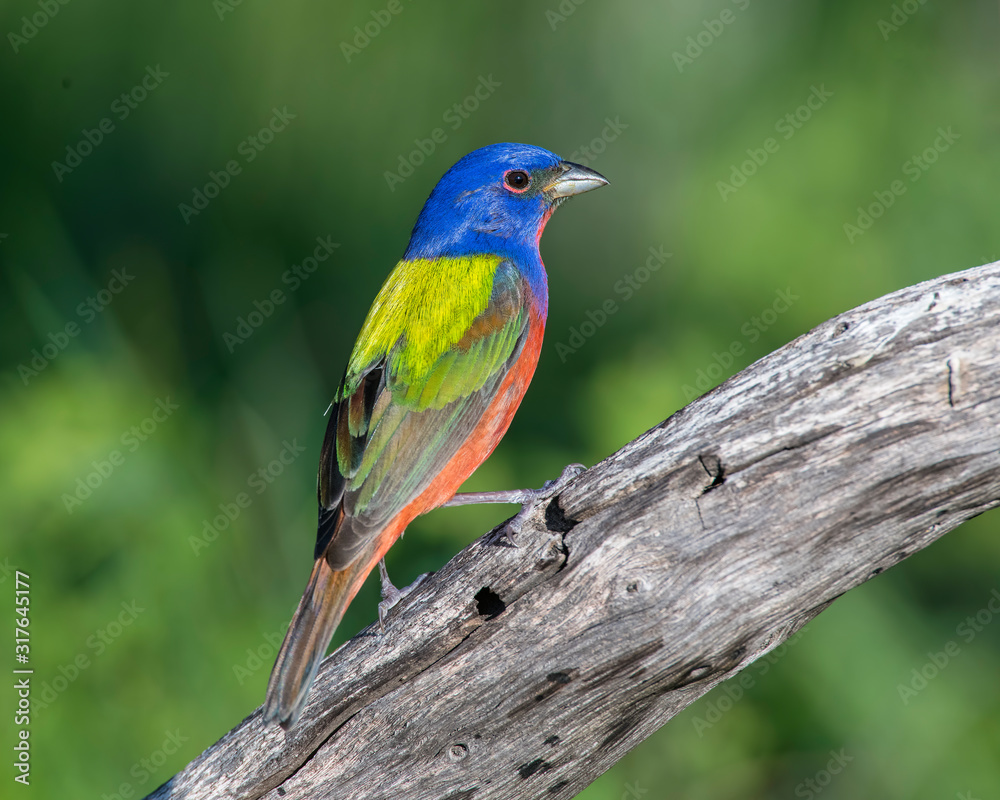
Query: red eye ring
516	180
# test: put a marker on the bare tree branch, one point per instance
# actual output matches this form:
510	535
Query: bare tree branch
680	560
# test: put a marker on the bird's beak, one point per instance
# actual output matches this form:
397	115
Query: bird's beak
573	179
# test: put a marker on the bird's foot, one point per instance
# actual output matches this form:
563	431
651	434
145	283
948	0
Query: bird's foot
527	498
535	496
391	595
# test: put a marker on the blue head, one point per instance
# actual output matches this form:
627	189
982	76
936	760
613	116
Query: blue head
497	200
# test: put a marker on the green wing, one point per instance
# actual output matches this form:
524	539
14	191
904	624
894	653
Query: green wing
428	362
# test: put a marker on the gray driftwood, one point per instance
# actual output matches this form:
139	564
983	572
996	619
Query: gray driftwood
694	550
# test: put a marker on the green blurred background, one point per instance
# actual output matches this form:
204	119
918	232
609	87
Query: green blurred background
665	128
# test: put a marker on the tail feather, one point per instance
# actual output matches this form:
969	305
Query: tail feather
320	610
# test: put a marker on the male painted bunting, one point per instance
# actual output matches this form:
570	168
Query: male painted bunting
439	368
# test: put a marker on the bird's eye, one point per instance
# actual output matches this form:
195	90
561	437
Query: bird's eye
517	180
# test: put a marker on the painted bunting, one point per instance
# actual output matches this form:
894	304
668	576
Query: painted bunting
440	366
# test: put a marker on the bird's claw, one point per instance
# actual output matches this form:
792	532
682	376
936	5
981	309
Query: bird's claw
535	496
571	471
391	595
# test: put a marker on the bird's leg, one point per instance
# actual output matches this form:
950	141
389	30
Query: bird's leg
390	594
527	498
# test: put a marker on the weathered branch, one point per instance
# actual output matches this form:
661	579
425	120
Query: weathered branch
527	672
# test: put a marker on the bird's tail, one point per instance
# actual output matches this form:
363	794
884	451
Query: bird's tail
322	605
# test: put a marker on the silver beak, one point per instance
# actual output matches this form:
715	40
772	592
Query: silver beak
574	179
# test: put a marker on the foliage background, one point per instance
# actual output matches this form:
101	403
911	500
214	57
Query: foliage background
563	70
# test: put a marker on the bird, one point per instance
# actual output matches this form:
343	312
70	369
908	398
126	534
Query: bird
439	368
